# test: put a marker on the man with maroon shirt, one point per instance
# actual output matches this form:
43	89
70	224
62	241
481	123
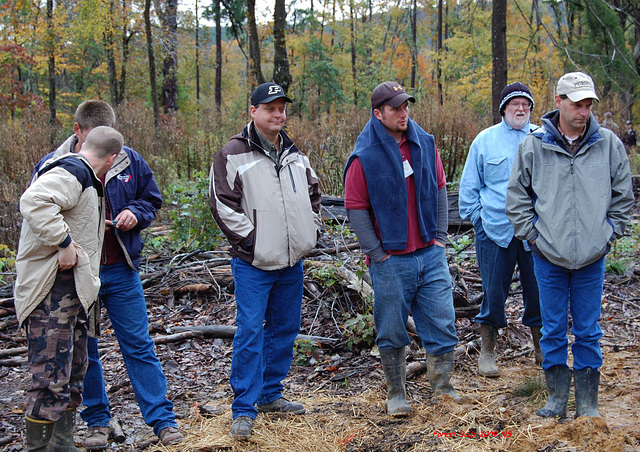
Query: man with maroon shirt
396	201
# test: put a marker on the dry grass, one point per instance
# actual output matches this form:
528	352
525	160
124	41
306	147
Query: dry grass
488	419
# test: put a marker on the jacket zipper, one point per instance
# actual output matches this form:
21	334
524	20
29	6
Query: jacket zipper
293	183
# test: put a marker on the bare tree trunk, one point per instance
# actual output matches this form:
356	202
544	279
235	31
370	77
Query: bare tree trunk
126	38
353	54
414	44
439	54
217	12
51	44
169	19
109	46
152	65
254	43
218	88
499	53
281	74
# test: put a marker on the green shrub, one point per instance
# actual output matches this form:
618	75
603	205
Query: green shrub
304	351
192	225
7	263
360	331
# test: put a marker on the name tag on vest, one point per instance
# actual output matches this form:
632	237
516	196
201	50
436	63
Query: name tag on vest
408	171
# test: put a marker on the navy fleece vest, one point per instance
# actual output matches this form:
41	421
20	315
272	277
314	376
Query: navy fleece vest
382	165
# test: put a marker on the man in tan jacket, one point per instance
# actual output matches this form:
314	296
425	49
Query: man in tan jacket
265	198
57	283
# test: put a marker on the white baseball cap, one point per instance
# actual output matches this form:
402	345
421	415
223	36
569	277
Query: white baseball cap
577	86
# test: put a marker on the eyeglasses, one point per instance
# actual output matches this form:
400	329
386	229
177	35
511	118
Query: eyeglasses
526	106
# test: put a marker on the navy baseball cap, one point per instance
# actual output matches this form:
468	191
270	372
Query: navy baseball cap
268	92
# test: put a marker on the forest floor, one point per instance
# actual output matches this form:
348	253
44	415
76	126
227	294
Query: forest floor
340	382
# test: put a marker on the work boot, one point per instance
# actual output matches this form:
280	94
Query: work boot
97	437
38	434
241	428
281	405
439	370
536	334
558	380
63	430
170	435
586	382
395	375
487	361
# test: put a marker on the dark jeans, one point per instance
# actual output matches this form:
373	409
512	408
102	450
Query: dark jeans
496	269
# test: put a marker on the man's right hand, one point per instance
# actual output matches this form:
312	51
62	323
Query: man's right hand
67	257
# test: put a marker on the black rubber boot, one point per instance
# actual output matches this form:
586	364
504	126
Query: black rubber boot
395	374
558	384
38	434
63	430
586	383
439	369
487	366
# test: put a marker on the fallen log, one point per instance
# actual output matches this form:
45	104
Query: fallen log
6	353
13	362
227	332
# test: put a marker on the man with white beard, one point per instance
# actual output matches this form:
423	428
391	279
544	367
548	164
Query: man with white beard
483	190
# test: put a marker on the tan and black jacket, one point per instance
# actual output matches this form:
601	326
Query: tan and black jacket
64	202
269	212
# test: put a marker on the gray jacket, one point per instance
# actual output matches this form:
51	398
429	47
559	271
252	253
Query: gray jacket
574	207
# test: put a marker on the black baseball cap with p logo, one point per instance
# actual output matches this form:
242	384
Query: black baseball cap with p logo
267	92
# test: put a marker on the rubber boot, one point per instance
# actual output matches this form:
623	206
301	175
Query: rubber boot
38	434
395	374
586	382
558	384
487	361
536	334
439	369
63	430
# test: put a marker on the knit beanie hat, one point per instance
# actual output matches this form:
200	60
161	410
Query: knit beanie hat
515	89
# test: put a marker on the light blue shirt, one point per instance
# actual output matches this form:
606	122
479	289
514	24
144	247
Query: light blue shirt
483	187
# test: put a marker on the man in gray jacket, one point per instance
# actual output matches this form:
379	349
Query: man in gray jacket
569	196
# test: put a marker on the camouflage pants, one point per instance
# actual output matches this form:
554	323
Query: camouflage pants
57	343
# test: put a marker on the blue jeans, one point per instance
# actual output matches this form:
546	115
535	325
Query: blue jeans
420	282
122	296
580	291
496	268
268	308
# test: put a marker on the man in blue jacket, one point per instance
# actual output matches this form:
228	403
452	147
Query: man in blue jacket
396	199
483	190
132	198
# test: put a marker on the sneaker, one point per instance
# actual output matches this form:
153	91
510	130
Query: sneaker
170	435
281	405
241	428
97	438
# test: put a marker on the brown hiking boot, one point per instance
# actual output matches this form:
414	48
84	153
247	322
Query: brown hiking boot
97	437
281	405
170	435
241	428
